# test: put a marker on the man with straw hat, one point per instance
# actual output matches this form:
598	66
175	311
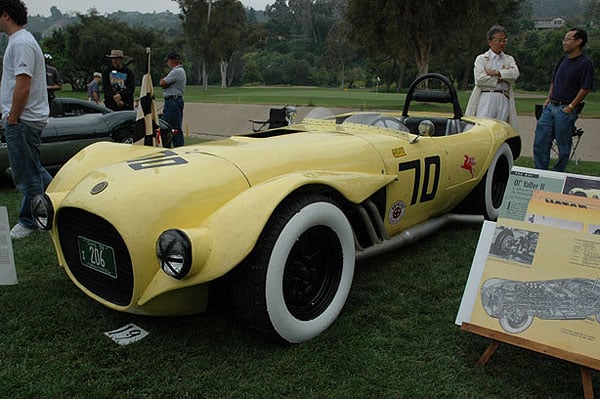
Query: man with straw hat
118	83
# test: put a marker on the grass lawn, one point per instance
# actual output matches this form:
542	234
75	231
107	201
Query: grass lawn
330	97
395	338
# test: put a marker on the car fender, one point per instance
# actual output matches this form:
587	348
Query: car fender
249	213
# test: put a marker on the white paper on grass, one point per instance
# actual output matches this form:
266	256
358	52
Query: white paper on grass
8	273
127	334
472	287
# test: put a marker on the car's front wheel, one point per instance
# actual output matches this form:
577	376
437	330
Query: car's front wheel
504	243
296	281
516	321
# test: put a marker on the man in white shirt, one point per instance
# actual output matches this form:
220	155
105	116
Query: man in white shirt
495	74
25	110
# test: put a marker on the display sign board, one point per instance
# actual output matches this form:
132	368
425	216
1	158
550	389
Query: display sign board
536	272
8	274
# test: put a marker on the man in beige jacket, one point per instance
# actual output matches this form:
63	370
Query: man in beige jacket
495	74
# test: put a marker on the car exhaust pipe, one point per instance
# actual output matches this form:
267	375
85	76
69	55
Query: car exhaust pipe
416	233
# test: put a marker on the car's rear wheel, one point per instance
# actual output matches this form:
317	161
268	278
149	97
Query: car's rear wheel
295	283
495	180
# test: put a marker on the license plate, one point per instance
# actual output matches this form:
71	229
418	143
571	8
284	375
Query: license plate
97	256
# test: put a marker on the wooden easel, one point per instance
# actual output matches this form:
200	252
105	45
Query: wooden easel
587	364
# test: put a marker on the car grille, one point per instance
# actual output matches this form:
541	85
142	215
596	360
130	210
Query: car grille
73	223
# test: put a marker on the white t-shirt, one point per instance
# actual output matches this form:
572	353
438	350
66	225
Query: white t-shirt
23	55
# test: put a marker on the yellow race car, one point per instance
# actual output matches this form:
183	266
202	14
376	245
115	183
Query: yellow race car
282	215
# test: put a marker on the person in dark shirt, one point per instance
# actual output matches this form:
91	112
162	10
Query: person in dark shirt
118	83
53	79
571	82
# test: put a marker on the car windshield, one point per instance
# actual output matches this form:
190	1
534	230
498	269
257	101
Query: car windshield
376	119
320	113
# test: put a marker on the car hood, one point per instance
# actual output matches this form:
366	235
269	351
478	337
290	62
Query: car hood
188	183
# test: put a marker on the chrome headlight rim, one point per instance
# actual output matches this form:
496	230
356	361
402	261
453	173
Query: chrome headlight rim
174	253
42	211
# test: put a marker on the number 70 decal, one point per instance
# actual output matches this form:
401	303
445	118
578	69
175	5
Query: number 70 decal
161	159
431	168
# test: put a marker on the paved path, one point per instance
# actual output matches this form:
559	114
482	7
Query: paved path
232	119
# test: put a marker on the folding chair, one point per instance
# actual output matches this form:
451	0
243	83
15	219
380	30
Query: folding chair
278	117
576	134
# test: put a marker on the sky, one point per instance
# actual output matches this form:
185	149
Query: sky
42	7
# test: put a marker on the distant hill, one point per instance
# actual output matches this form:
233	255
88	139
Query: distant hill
165	20
558	8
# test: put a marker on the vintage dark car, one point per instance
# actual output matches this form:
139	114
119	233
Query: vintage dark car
516	303
75	124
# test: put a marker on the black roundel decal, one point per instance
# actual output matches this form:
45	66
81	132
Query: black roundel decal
98	188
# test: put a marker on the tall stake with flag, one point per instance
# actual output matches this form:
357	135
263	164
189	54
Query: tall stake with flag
146	123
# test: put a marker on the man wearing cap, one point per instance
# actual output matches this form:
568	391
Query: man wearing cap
118	83
174	85
93	88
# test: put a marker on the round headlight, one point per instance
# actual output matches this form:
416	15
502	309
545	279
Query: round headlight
42	211
174	252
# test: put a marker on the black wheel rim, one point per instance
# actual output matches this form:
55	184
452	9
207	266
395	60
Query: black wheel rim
312	273
517	319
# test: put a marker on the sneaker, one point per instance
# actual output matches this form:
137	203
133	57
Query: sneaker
20	231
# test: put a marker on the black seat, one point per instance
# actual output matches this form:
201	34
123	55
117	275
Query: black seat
277	118
56	108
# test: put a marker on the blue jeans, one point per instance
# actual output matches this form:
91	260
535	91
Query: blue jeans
554	124
173	114
30	177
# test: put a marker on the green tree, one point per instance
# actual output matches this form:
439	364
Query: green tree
340	52
229	19
213	30
196	26
79	49
455	49
434	32
375	26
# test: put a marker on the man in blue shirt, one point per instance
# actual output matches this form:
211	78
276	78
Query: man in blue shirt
572	81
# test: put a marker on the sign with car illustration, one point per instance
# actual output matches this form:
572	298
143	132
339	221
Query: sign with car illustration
516	303
536	273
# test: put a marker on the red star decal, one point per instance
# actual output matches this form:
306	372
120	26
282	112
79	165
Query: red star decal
469	163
